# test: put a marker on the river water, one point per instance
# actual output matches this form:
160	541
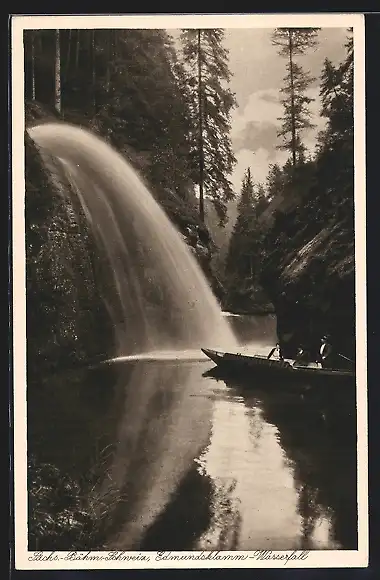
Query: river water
186	461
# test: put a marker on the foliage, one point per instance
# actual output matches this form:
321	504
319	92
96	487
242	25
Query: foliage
211	101
308	247
65	512
296	109
58	516
292	42
127	85
301	245
299	40
243	260
325	182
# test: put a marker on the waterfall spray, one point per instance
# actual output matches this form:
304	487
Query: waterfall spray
160	298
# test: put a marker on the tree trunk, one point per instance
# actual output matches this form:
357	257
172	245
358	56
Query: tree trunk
115	43
293	120
68	56
109	56
93	54
57	72
77	51
200	121
33	69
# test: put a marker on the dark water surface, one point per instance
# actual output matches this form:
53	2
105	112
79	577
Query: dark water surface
185	461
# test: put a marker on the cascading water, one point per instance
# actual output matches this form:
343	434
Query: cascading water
160	298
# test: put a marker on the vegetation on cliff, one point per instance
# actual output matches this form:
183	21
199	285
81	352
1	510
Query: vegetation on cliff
60	250
315	262
306	252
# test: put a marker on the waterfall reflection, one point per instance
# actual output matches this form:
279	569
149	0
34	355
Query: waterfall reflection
131	433
164	424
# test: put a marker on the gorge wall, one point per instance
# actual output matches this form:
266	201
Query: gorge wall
309	274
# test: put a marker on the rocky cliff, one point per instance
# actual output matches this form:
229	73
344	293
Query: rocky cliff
309	275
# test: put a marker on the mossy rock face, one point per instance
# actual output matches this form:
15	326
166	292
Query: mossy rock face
64	315
37	113
310	279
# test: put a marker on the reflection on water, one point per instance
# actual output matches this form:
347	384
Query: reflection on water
285	492
195	463
165	424
244	450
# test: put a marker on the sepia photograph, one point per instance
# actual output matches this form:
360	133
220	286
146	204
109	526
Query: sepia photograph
189	291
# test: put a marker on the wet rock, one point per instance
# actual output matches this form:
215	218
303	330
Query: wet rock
312	288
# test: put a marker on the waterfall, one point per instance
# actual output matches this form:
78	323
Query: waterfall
157	295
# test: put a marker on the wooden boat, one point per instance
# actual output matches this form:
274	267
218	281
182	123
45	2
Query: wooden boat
228	362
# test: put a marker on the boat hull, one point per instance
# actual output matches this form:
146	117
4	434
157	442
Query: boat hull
238	363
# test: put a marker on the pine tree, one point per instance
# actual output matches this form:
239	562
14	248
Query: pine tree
208	76
261	200
238	262
129	86
337	94
33	66
57	72
30	62
335	157
244	257
275	181
93	63
292	42
172	151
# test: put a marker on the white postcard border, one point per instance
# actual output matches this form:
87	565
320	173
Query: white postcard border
25	560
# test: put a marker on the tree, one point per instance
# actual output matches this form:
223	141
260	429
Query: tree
275	181
93	63
260	199
243	261
129	86
335	155
337	94
238	260
57	72
30	64
33	67
172	152
292	42
206	62
311	240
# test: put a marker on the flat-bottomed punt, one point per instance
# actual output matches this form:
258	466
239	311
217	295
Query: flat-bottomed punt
229	362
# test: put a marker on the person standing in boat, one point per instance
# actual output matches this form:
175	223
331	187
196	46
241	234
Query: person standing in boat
331	358
326	353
